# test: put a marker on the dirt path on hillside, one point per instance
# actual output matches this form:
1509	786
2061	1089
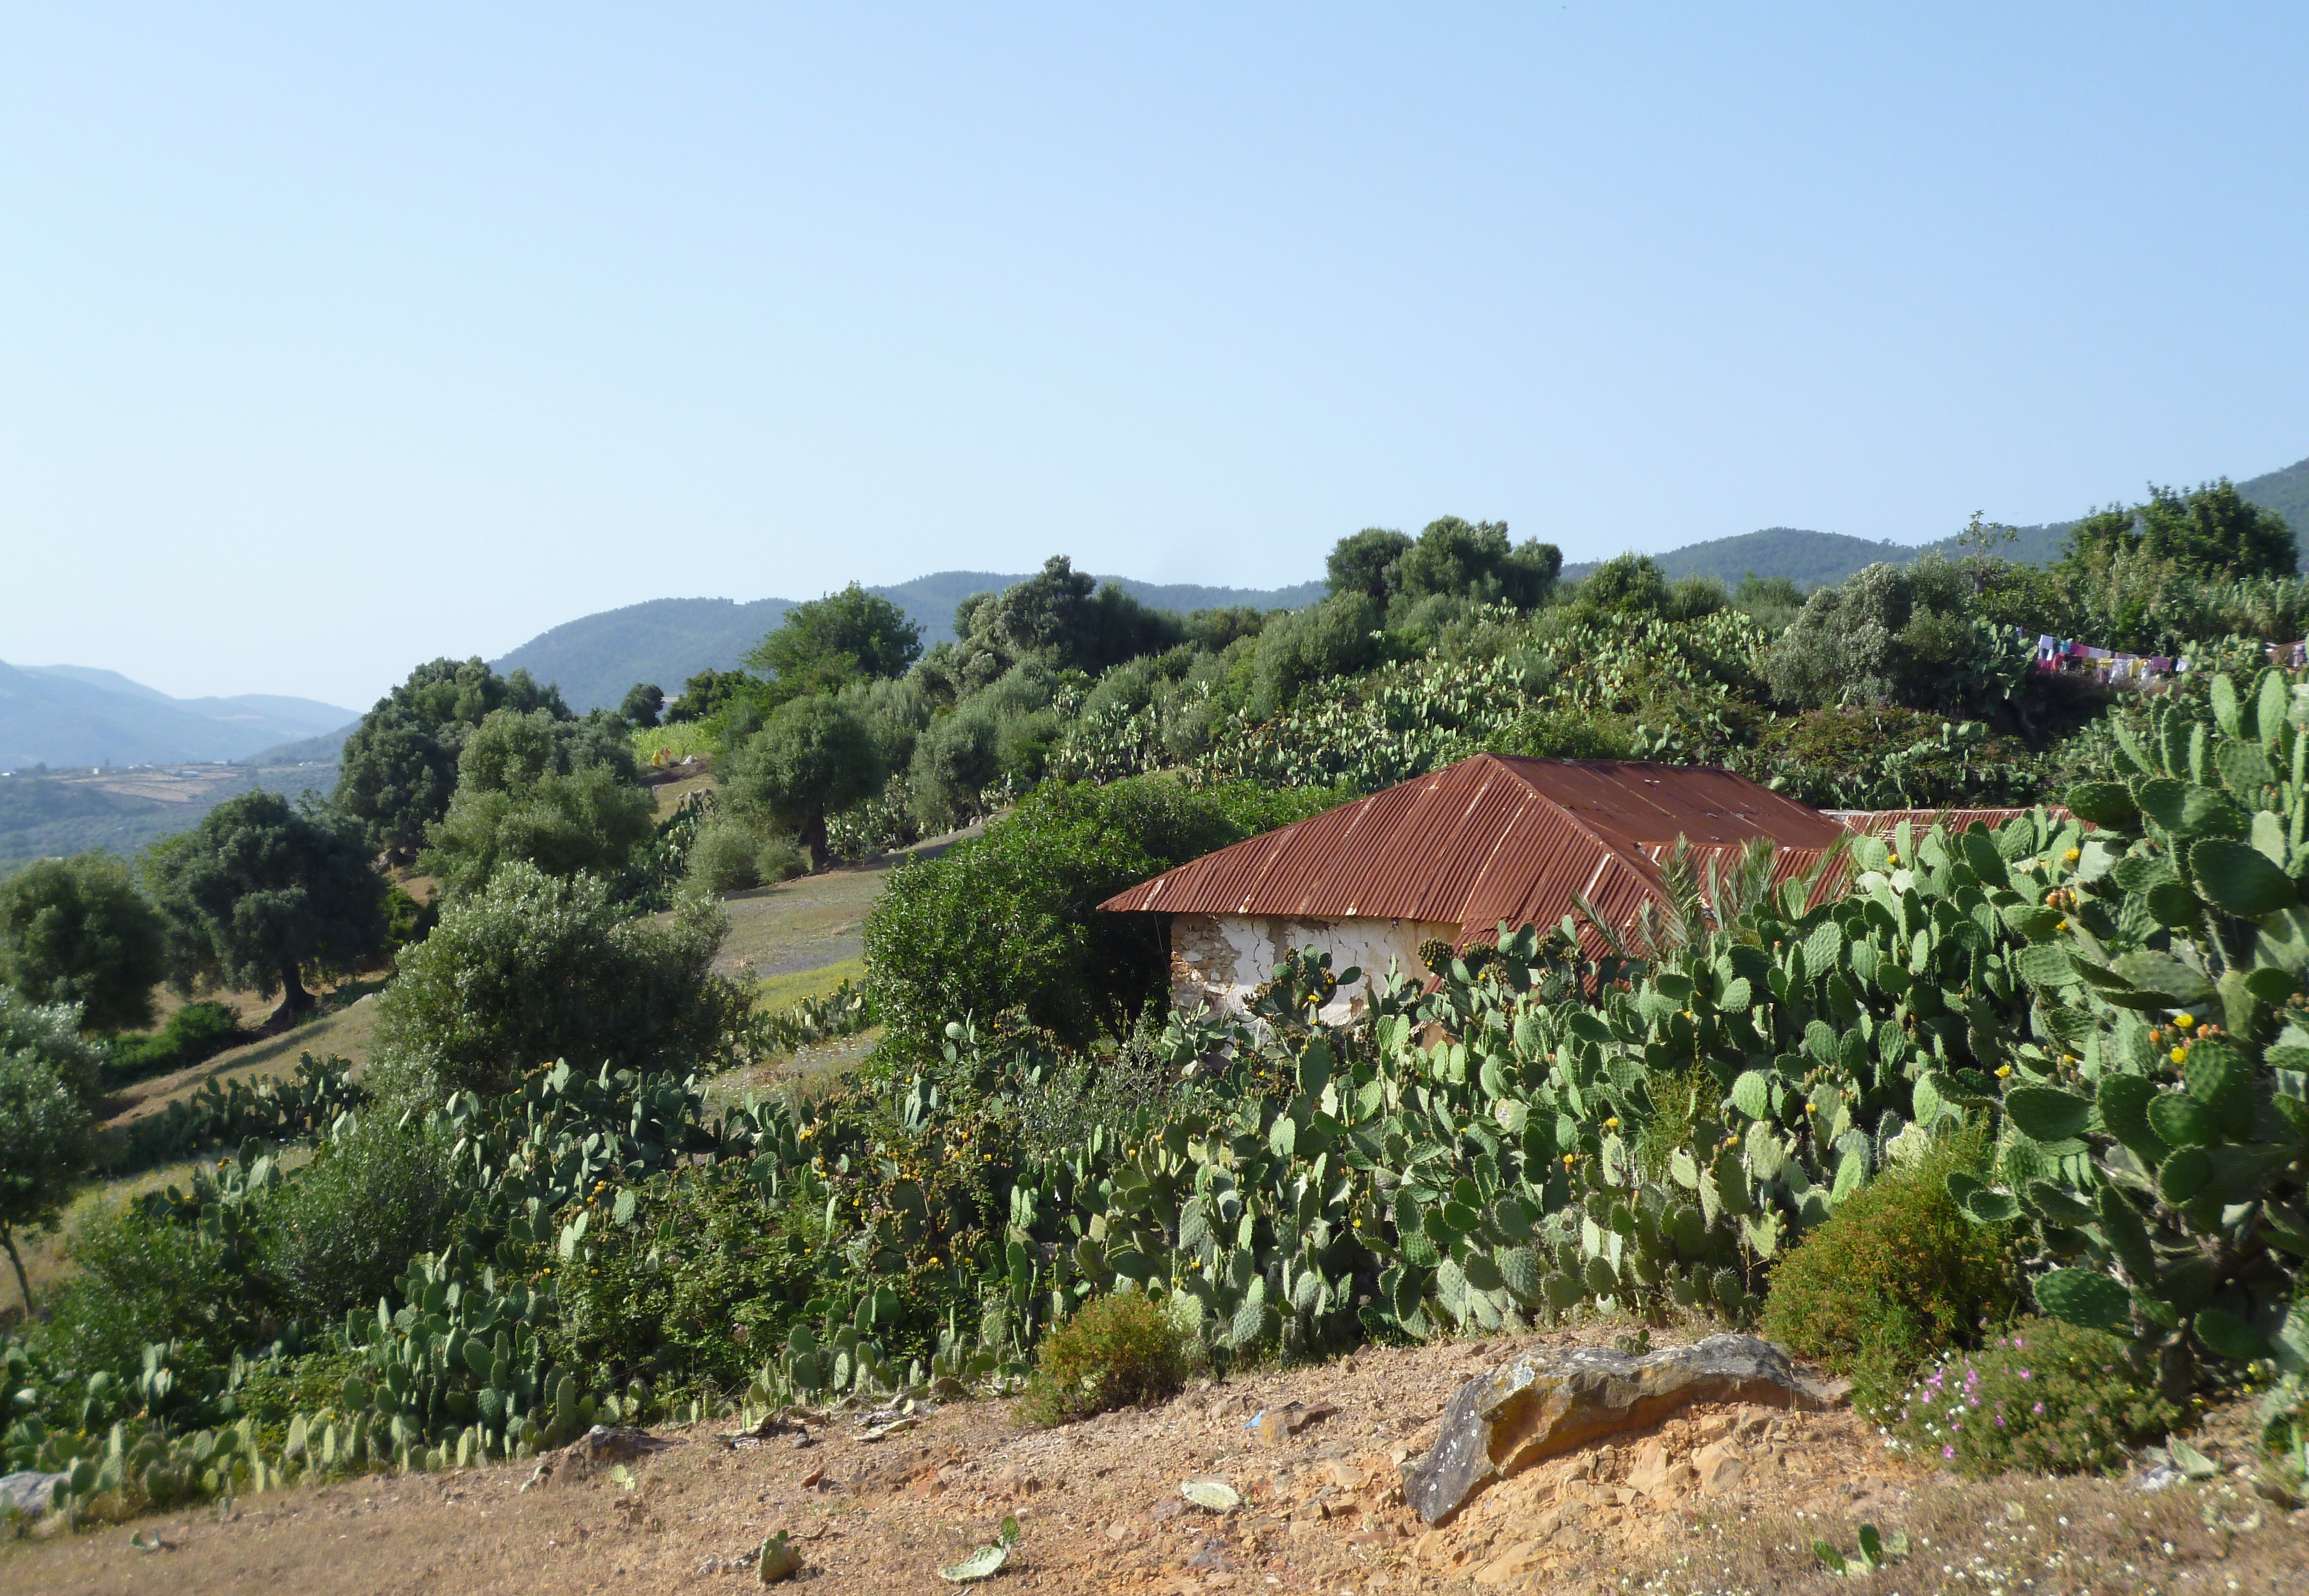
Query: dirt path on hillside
1101	1510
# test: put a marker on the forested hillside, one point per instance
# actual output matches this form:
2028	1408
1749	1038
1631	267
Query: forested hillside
1810	558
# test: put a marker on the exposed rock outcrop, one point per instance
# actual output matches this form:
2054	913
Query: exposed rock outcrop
1546	1401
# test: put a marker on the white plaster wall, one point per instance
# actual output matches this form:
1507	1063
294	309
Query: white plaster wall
1220	959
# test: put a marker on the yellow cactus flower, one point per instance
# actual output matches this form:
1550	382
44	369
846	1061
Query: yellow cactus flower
2003	1071
2185	1021
2072	856
2180	1054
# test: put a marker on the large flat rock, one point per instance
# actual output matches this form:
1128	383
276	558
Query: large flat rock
1547	1401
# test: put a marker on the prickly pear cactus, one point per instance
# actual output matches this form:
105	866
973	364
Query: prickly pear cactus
2156	1135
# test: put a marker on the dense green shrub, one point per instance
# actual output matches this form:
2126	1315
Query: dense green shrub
1900	635
195	1031
1006	924
343	1232
535	969
275	1390
693	1290
50	1034
1339	636
996	744
142	1279
560	794
406	921
732	852
1117	1351
1891	758
1541	734
2047	1397
1897	1271
77	930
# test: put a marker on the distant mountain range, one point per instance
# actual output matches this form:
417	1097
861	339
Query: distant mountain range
596	657
1813	559
68	715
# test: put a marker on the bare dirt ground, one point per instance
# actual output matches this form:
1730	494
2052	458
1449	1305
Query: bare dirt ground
1100	1506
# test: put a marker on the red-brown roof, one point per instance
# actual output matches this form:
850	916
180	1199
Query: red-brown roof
1488	841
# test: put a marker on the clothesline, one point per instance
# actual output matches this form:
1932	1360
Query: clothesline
2057	654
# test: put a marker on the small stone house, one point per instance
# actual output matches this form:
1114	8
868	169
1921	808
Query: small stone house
1449	856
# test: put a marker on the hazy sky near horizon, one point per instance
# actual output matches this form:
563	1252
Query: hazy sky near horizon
332	341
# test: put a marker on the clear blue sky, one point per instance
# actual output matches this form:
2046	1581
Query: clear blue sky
331	343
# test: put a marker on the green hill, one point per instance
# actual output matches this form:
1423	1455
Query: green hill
1814	560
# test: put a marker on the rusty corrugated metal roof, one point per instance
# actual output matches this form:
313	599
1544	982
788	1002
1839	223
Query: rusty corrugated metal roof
1486	840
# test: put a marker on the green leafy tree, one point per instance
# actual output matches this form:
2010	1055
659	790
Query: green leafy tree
262	892
399	768
826	643
587	820
645	702
1368	563
1845	645
1626	584
1463	559
562	794
815	755
1063	617
46	1143
77	930
707	693
534	968
2212	530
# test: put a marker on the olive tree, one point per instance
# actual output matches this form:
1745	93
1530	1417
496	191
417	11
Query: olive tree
645	702
560	794
260	893
77	930
398	766
45	1144
813	756
534	968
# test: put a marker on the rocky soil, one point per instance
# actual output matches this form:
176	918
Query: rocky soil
1710	1498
